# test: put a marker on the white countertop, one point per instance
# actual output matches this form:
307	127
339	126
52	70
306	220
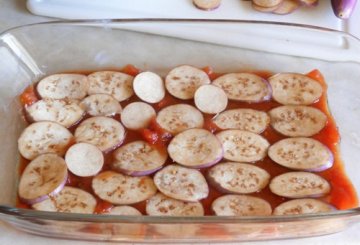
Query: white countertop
14	13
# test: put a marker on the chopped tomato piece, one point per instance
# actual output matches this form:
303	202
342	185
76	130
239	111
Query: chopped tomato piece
166	101
150	136
210	72
164	134
155	134
210	125
28	97
131	70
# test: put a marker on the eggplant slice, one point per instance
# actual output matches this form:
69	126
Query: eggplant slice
181	183
161	205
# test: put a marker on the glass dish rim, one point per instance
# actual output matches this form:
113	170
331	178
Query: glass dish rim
145	219
104	22
55	216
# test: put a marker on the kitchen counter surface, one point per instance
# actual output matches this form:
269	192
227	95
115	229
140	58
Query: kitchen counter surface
14	13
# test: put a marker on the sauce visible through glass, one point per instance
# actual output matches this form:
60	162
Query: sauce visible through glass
342	195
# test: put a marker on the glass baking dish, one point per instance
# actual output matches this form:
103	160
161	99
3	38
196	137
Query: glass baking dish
30	52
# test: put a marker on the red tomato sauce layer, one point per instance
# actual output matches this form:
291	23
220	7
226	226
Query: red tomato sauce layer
342	195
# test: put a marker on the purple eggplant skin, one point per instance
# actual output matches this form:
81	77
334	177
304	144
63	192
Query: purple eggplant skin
343	8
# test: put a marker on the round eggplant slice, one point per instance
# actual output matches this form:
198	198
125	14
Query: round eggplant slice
240	205
63	112
180	117
183	81
117	84
181	183
195	148
309	3
239	178
44	137
149	87
264	9
243	119
243	146
44	176
124	210
138	158
267	3
297	121
295	89
207	4
161	205
63	86
120	189
210	99
302	206
299	185
301	154
286	7
69	200
101	105
137	115
103	132
83	159
245	87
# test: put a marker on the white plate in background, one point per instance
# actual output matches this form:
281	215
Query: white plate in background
321	15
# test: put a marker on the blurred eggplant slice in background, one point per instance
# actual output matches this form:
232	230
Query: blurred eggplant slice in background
343	8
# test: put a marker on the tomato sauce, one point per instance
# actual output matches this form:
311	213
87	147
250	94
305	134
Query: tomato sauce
342	195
